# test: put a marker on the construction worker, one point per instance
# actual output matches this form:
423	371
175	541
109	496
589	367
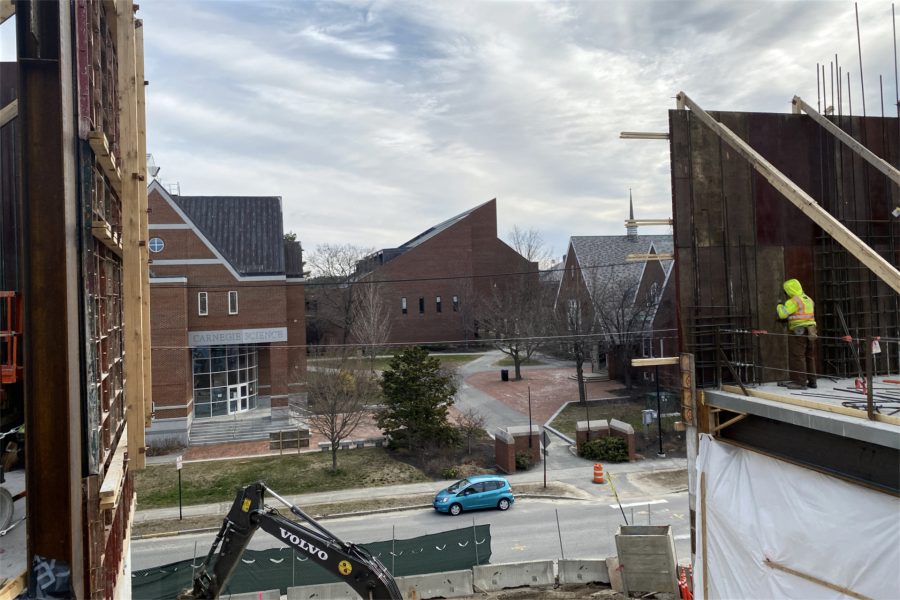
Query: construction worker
799	311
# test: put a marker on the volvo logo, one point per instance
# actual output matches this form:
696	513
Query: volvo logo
303	544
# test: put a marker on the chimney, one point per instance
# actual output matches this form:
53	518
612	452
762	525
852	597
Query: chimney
631	228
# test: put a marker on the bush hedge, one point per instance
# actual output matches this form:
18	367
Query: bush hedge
609	449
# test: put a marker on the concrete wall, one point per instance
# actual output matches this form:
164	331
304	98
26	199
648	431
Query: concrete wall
509	575
452	584
582	571
331	591
266	595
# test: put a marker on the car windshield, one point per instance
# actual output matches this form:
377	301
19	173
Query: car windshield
458	485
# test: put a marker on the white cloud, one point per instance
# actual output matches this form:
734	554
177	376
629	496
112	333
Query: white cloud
375	120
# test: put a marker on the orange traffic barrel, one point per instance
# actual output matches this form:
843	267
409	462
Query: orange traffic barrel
598	473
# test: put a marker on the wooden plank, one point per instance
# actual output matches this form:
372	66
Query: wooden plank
100	146
803	201
103	232
703	526
7	9
639	257
12	587
132	285
136	462
653	362
9	112
111	487
803	403
864	153
831	586
643	135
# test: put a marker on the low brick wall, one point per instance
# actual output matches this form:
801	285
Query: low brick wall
508	442
601	428
505	451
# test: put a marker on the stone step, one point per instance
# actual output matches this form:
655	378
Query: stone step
240	430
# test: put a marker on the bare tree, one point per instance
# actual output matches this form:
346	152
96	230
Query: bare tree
338	398
371	319
621	316
471	425
530	244
516	315
334	269
574	322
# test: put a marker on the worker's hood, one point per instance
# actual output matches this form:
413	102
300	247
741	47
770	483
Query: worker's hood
792	288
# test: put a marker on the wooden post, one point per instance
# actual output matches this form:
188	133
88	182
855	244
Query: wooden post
132	293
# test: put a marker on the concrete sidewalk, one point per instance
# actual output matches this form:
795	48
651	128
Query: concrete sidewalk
579	477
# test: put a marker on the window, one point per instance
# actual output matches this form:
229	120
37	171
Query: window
156	244
654	292
437	303
202	305
455	303
421	306
232	303
403	305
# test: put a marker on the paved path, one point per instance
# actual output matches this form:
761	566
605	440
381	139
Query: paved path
495	413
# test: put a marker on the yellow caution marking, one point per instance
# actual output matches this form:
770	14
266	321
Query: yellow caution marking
345	567
246	505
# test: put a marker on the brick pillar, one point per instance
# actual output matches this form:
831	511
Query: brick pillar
505	451
278	367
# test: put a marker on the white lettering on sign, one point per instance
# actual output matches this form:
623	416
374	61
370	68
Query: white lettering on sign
237	336
178	462
303	544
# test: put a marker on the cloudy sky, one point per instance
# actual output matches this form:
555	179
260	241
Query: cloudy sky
374	120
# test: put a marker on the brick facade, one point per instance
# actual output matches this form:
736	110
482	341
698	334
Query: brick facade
188	265
463	259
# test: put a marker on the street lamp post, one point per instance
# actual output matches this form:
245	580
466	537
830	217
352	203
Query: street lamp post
529	416
660	454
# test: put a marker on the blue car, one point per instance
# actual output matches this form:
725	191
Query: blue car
478	491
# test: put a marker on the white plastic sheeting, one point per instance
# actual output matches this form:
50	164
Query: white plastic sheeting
760	508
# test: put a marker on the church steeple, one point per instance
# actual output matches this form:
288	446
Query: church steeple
631	228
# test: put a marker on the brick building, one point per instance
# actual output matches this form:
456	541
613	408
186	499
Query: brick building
624	303
435	279
227	309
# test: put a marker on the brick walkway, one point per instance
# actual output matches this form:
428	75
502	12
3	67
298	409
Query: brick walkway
550	389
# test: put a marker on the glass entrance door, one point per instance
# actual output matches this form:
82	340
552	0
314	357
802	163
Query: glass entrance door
245	401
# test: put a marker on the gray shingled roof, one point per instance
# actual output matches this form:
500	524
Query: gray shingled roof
433	231
246	230
608	253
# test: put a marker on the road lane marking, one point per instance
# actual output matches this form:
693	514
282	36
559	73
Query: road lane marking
639	504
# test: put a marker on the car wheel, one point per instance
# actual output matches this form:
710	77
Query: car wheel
455	509
503	504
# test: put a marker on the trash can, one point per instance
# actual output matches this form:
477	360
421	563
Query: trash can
504	374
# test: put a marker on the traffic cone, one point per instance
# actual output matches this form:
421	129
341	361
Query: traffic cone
598	473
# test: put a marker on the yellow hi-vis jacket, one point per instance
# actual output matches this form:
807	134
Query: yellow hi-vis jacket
799	310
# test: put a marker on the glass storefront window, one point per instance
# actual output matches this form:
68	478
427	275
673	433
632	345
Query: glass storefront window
225	379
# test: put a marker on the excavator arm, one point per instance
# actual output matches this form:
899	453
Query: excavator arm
351	563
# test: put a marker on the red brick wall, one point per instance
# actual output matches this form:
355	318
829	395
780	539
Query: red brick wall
170	359
160	211
522	446
505	455
448	261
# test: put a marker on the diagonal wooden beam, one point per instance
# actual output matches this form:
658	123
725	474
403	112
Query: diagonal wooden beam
847	139
803	201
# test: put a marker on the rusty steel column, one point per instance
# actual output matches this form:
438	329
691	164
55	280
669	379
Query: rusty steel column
52	285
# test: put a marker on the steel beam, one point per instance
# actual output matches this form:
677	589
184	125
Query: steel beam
803	201
52	286
866	154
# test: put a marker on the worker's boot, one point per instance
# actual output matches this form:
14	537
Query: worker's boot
812	385
794	385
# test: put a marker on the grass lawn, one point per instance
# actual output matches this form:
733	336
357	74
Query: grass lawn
508	362
381	363
625	410
215	481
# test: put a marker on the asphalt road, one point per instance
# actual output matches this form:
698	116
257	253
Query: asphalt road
528	531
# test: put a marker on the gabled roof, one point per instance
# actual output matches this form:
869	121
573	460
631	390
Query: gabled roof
246	230
605	256
433	231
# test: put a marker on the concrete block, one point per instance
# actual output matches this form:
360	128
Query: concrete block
266	595
622	426
451	584
598	425
615	574
323	591
535	573
504	436
583	571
